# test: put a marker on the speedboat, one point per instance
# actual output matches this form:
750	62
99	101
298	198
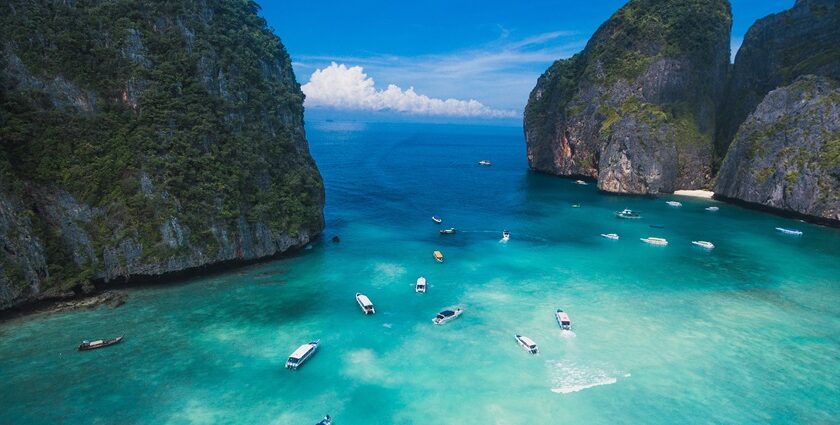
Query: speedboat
449	231
627	213
575	205
365	303
527	343
712	208
789	231
447	315
674	203
613	236
326	421
420	286
704	244
485	163
581	182
563	320
655	241
302	354
437	219
99	343
505	235
438	256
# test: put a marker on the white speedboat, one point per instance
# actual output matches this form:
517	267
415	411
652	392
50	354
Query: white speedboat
420	286
438	256
485	163
581	182
505	235
326	421
704	244
789	231
527	343
563	320
655	241
627	213
437	219
447	315
302	354
449	231
613	236
365	303
712	208
674	203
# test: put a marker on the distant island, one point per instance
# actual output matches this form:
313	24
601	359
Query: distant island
652	105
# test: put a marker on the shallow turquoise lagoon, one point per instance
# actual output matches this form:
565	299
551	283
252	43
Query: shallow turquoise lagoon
746	333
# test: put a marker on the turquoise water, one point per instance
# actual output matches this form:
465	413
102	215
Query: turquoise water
746	333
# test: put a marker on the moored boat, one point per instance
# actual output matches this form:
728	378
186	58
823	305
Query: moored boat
789	231
365	304
655	241
438	256
527	343
563	320
505	235
447	315
613	236
581	182
712	208
420	286
485	163
449	231
575	205
302	354
99	343
674	203
437	219
627	213
704	244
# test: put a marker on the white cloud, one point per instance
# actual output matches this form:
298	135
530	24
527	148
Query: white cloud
343	87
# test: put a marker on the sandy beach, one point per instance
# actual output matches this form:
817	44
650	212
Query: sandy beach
695	193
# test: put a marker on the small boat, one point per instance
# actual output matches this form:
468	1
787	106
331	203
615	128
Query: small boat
789	231
505	235
613	236
420	286
674	203
326	421
365	303
527	343
302	354
485	163
99	343
581	182
437	219
449	231
575	205
655	241
627	213
712	208
704	244
438	256
563	320
447	315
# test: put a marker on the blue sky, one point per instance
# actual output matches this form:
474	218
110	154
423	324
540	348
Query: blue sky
491	52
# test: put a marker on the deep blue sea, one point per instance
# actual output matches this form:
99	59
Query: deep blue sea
746	333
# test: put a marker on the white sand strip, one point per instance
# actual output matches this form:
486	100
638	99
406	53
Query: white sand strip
695	193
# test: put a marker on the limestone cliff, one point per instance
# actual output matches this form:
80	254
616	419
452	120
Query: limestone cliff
637	108
786	155
140	138
777	50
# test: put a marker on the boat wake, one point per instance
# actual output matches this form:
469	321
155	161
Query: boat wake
568	334
570	378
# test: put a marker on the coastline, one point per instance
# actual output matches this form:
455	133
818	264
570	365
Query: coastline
696	193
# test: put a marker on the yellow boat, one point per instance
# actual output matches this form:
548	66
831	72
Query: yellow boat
438	257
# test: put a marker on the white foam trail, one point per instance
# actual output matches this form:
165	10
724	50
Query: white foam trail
568	334
575	388
388	325
570	377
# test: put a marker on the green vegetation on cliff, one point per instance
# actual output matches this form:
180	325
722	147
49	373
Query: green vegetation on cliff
146	111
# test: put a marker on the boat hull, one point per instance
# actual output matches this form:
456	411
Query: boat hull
103	344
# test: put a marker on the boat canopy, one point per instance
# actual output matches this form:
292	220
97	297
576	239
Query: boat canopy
446	313
563	316
438	254
300	352
421	280
364	300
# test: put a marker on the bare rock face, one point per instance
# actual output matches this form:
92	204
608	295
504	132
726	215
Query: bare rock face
776	50
786	155
141	138
636	109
